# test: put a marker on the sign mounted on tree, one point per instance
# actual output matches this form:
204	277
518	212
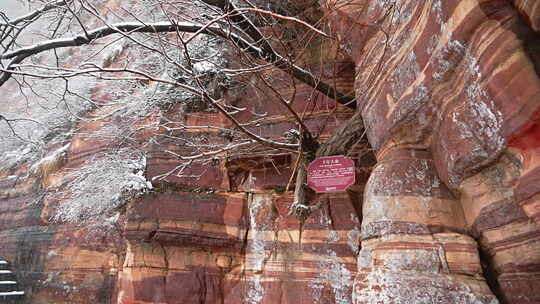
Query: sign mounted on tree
331	174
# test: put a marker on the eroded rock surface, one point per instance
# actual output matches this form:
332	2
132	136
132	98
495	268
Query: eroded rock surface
448	91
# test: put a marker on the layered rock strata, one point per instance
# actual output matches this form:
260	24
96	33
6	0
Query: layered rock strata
227	236
448	92
222	237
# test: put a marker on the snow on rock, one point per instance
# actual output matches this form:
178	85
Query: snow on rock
101	186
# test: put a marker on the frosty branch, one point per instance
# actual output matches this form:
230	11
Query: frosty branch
265	52
146	79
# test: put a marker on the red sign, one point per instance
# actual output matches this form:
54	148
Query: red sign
331	174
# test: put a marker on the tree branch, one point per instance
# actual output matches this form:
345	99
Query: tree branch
37	13
272	56
264	53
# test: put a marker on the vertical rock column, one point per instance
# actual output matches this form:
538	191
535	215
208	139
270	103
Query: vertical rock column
414	249
258	249
289	263
507	236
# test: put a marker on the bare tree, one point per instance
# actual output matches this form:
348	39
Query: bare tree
181	57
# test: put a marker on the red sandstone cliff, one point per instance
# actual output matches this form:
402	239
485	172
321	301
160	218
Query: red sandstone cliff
451	108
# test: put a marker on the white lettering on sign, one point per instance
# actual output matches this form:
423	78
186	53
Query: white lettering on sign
331	174
330	161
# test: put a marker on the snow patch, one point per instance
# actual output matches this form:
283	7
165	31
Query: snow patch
438	10
387	287
255	291
256	248
49	162
104	184
334	274
476	120
353	239
404	75
333	236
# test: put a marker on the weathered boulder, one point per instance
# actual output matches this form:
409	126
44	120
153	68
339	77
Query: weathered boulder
448	91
